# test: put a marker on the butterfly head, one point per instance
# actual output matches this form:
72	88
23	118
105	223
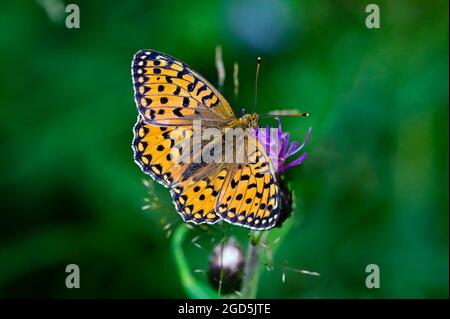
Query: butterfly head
250	120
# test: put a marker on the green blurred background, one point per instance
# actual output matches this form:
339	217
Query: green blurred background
374	189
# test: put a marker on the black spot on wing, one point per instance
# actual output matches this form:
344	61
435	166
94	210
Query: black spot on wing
207	97
177	112
185	101
201	89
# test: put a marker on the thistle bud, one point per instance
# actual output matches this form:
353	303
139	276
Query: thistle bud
285	202
226	263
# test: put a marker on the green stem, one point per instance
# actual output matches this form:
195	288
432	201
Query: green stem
193	287
219	291
251	266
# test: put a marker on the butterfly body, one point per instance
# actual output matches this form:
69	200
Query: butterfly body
170	97
249	120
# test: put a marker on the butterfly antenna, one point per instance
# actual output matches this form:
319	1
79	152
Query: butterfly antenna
258	65
220	68
304	114
236	80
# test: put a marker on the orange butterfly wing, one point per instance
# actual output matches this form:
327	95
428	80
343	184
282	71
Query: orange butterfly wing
169	95
251	196
168	92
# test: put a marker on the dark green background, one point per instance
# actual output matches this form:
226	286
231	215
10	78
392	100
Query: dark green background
374	189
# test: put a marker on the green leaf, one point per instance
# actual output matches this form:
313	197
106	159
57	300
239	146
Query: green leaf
193	287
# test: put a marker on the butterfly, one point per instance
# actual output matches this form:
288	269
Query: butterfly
170	96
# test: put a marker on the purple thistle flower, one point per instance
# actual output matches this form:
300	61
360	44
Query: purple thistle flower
279	148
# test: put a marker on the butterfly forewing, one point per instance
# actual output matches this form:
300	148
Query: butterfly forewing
168	92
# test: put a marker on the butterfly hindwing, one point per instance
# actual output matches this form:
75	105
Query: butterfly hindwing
194	191
196	196
245	194
155	150
250	195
